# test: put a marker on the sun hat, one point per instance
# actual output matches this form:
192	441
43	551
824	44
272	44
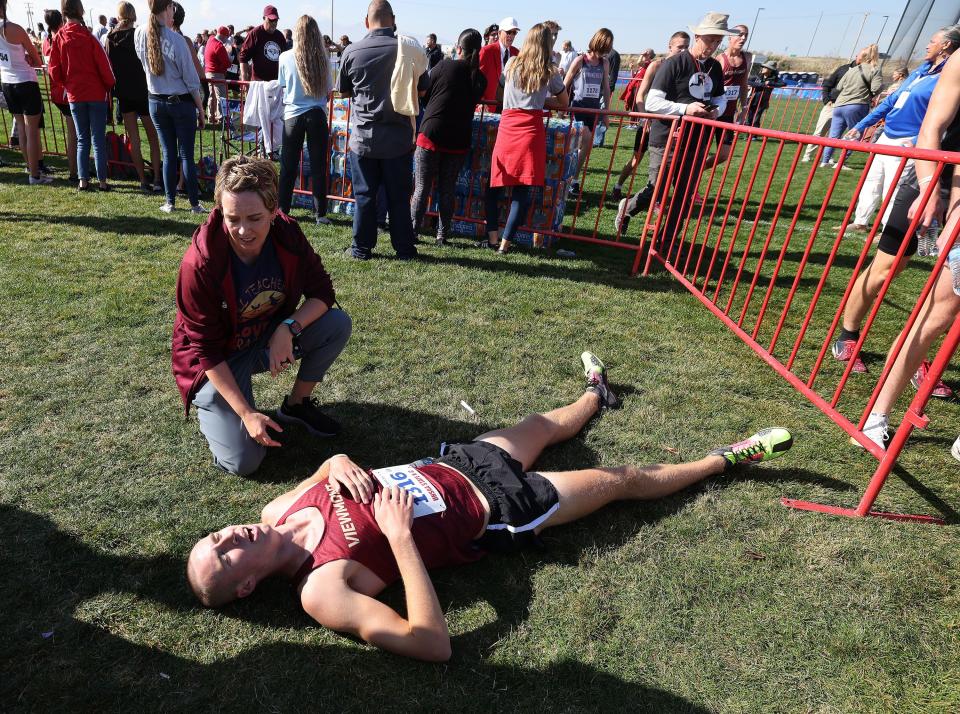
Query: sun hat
713	23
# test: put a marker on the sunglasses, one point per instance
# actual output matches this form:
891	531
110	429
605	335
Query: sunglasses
511	32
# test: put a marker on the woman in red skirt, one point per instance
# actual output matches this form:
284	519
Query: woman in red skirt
520	153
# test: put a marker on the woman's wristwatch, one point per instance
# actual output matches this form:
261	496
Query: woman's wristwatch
294	326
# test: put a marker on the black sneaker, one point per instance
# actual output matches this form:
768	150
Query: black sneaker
309	415
596	374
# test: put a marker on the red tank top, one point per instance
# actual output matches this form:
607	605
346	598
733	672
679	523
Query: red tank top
732	77
351	531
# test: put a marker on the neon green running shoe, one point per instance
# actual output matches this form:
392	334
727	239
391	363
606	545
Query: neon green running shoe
596	374
766	444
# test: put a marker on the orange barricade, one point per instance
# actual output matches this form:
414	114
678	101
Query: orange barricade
747	256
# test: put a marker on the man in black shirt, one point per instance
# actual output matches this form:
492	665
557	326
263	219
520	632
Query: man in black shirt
691	84
434	53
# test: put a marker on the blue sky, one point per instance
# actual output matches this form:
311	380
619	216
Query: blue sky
781	27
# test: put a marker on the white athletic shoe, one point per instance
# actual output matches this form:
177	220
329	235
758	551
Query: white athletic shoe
198	209
877	429
622	221
41	179
167	208
955	449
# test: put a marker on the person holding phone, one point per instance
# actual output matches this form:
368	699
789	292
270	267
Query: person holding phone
691	84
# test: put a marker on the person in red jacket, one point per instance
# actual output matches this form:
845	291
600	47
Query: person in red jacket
58	95
494	56
79	62
239	312
216	62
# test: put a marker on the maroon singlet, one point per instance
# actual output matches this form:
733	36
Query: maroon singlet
351	531
732	77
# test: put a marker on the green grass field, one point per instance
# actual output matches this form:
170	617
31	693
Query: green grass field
717	599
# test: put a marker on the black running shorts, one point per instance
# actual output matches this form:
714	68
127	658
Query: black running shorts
642	138
519	502
896	226
724	137
23	98
140	105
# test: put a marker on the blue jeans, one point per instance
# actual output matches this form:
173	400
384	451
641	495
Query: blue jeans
519	205
844	118
177	126
396	178
90	118
233	450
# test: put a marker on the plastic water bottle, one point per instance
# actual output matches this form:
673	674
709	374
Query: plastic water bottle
599	135
927	240
953	260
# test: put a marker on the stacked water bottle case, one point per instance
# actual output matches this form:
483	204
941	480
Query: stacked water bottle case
563	141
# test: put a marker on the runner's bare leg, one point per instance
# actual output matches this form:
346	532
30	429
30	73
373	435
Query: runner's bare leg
526	440
586	491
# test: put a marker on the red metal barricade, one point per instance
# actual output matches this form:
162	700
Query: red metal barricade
793	109
733	252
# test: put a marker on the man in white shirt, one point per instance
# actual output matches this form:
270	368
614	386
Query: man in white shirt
102	31
567	57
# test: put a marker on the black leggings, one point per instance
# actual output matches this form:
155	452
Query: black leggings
444	168
519	203
313	125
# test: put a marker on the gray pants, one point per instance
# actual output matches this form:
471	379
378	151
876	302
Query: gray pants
233	450
822	129
640	201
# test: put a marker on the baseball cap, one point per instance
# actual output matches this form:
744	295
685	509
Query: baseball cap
509	23
270	12
223	30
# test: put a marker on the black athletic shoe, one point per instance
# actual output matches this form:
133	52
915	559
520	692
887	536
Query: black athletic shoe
596	374
309	415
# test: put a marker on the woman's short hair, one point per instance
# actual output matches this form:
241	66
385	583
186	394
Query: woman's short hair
951	34
602	42
240	174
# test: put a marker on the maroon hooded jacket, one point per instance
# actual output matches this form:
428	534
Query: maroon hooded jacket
206	323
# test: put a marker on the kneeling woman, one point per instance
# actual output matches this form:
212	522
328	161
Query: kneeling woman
239	312
520	153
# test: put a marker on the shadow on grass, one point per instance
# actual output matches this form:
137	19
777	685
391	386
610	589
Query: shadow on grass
609	268
52	659
138	225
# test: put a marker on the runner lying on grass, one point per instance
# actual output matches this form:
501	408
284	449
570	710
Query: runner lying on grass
344	534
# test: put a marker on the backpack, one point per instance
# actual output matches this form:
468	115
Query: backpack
119	157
